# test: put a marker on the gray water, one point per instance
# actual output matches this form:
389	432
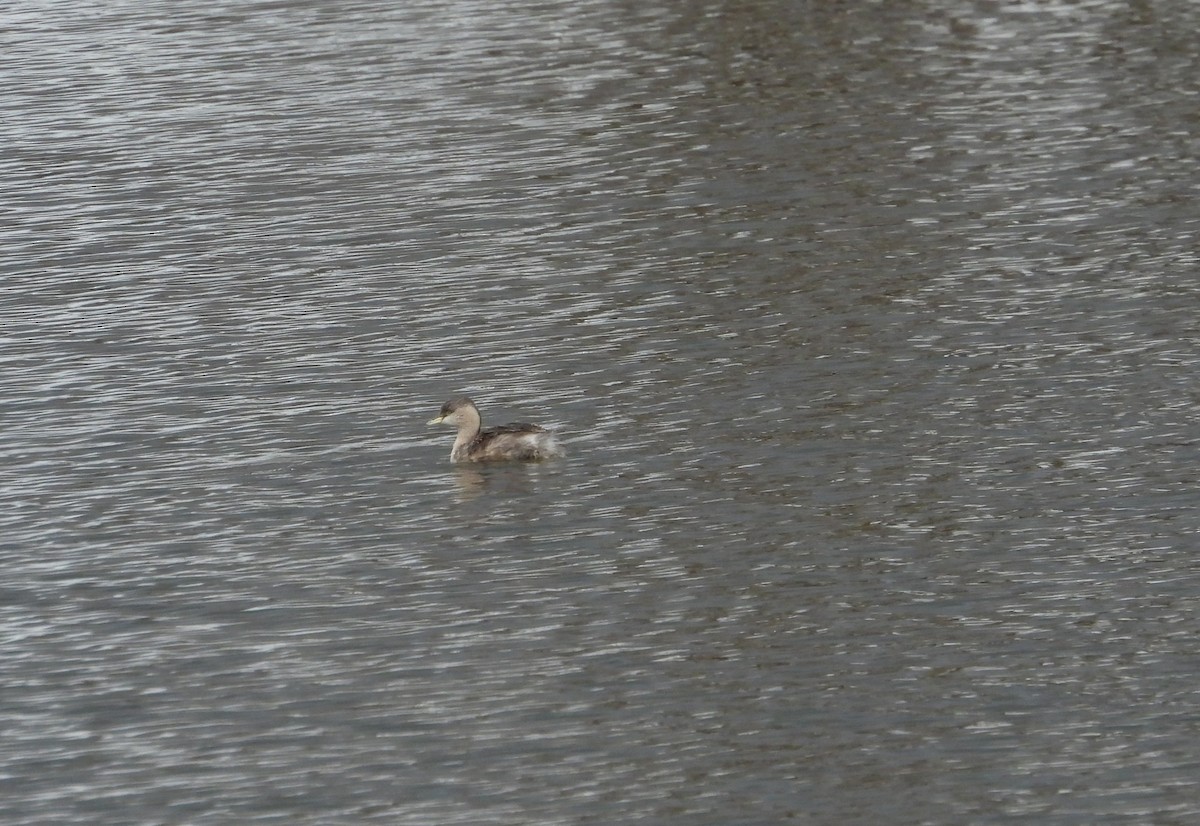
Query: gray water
871	329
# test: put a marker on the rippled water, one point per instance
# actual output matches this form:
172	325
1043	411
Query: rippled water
871	330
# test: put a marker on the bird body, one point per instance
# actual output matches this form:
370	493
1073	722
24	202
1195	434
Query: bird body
507	442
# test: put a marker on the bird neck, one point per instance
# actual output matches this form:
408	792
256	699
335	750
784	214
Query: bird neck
468	428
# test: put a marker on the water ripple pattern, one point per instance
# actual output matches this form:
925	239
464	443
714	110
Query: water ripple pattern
871	330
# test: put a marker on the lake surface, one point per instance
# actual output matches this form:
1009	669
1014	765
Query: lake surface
872	330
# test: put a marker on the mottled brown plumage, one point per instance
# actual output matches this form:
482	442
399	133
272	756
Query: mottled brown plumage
507	442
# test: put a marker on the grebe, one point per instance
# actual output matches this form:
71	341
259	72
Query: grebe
517	441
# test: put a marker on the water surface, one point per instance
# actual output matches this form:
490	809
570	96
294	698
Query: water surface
870	328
